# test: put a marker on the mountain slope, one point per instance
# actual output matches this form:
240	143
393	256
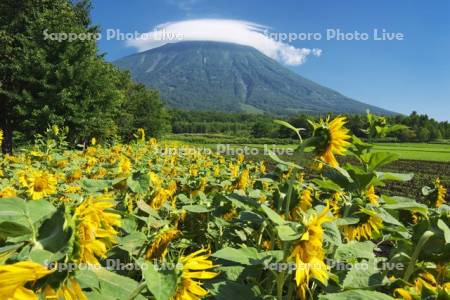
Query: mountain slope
231	77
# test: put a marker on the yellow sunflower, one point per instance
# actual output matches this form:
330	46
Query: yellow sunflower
305	201
309	254
75	175
234	169
230	215
244	180
364	230
8	192
14	277
39	184
424	281
141	134
370	194
158	248
163	194
216	171
262	168
441	192
334	203
334	140
195	266
125	167
69	290
95	228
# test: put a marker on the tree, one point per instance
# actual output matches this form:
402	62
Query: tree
435	133
262	129
424	134
46	81
405	135
143	109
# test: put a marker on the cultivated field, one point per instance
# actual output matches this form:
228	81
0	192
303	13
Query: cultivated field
165	221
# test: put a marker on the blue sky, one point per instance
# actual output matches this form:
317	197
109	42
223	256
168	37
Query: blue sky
400	75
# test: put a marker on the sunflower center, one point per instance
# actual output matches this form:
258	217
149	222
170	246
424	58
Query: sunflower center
325	139
40	184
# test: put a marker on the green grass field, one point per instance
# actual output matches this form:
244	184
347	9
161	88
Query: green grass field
409	151
417	151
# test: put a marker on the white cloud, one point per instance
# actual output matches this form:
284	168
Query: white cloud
223	30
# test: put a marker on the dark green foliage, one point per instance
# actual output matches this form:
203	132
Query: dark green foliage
143	109
45	81
227	77
262	129
420	127
214	122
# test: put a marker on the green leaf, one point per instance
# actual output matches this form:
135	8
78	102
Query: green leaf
275	157
147	209
388	218
197	208
442	226
403	177
44	257
53	236
39	210
354	250
7	251
226	290
13	229
361	178
87	279
338	175
115	285
327	184
133	241
138	182
332	233
376	160
363	275
273	216
246	256
287	125
403	203
346	221
286	233
23	214
95	185
232	272
13	209
161	283
426	190
356	295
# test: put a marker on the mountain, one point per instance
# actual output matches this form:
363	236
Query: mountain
219	76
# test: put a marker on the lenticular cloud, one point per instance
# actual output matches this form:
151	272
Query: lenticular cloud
222	30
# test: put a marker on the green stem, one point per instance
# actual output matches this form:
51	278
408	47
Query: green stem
288	199
422	241
261	232
290	290
280	284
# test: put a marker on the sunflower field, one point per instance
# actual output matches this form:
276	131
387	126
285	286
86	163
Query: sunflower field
165	220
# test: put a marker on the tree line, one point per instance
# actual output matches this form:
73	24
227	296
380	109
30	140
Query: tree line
421	128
